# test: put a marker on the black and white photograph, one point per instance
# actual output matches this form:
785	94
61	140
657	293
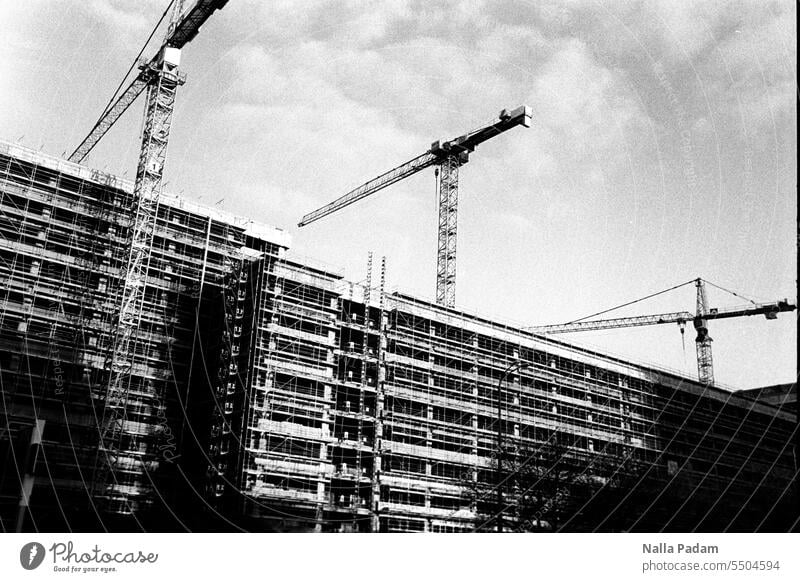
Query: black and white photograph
271	269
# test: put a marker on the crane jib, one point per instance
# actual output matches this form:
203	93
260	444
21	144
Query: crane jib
395	175
440	151
767	309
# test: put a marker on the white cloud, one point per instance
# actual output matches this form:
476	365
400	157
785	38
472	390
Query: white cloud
130	19
290	104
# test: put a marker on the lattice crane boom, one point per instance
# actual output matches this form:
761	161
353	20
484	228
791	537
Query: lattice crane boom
705	367
394	175
449	156
109	118
769	310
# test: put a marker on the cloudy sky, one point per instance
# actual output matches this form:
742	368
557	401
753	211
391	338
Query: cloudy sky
662	148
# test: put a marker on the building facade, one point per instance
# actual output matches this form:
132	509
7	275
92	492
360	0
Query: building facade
63	229
271	394
376	420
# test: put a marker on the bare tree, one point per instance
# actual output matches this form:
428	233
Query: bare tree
551	486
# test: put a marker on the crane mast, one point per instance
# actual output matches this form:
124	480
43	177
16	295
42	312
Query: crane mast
705	363
159	107
448	224
448	156
161	78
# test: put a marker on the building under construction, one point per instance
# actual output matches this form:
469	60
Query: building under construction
269	393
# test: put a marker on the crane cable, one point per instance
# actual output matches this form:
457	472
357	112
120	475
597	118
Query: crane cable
729	291
682	326
138	56
631	302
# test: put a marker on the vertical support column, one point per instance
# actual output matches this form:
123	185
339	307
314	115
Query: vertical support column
355	498
448	223
705	364
377	444
159	108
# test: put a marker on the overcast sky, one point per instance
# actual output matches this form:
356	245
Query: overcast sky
662	147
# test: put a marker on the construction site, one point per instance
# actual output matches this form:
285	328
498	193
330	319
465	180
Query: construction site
168	366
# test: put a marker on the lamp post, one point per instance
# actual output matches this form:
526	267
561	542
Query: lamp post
515	366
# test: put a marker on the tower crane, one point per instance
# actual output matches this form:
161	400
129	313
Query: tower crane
184	26
160	78
705	367
449	156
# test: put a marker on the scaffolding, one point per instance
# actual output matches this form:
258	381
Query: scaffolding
57	262
330	405
63	231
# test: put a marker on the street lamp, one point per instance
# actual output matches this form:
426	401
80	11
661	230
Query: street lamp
515	366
